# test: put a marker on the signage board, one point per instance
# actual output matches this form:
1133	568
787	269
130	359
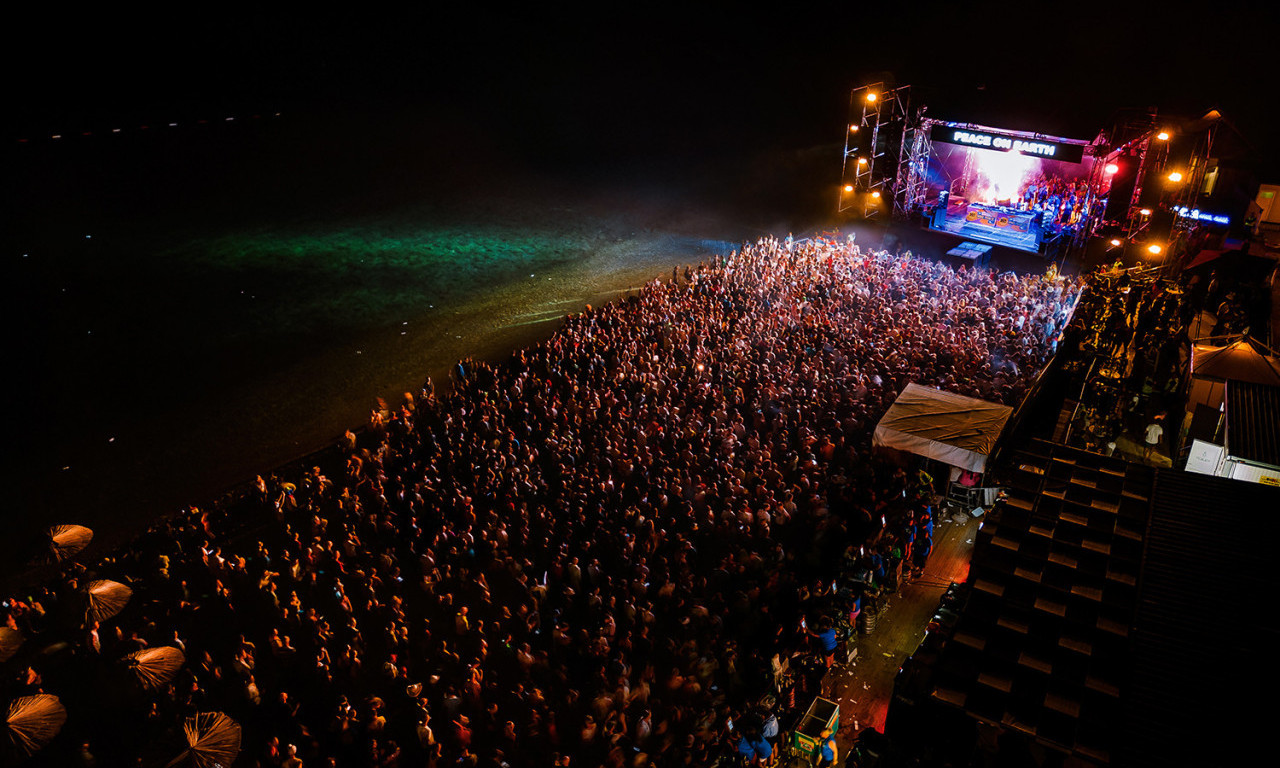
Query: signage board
1046	148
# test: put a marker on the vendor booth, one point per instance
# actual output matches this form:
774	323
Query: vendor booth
1213	365
823	714
953	429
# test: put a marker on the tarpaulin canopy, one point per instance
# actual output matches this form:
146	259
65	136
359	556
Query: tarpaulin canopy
33	721
1238	362
213	739
954	429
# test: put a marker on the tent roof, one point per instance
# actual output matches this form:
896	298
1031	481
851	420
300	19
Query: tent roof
951	428
1239	361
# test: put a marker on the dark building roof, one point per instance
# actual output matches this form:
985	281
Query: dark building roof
1253	422
1041	643
1117	613
1205	637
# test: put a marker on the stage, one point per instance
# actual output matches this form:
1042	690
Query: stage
995	224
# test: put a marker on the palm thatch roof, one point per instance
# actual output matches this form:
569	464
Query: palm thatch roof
153	667
213	741
33	721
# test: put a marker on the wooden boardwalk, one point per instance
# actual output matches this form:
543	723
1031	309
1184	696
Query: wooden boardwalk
864	687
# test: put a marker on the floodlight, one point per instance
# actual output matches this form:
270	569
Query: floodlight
1112	169
871	97
1163	136
1155	249
848	187
1175	176
1115	242
1145	211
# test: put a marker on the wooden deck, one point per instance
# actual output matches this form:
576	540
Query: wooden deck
864	687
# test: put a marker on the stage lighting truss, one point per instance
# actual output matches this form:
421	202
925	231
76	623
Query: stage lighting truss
877	141
913	167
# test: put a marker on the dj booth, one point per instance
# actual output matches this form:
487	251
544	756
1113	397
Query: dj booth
997	224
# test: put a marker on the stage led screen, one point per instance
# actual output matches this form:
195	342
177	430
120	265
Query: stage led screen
1009	188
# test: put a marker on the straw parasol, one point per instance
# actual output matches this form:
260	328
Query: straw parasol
155	666
33	721
10	640
64	541
104	599
213	741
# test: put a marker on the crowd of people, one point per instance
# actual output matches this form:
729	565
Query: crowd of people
1061	202
593	553
1135	324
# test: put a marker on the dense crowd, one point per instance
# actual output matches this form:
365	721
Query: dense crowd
1136	325
1061	202
592	553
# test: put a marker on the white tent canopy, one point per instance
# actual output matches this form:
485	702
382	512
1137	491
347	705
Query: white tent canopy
954	429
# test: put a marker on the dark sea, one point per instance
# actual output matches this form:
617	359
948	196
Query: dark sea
189	306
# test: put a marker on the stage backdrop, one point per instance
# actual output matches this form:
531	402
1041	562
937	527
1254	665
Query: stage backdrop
1007	187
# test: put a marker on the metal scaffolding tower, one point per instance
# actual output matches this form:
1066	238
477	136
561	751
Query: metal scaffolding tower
873	148
913	166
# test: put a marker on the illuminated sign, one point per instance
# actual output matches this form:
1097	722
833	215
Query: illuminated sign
999	142
1195	214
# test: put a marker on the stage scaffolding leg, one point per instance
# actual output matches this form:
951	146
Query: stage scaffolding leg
874	142
913	167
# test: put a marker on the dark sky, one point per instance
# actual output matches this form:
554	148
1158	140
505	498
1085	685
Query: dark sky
614	81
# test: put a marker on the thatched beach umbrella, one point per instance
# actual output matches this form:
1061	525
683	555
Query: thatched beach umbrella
64	541
104	599
33	721
213	740
155	666
10	640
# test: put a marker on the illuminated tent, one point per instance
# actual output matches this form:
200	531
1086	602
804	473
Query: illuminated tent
213	739
1212	367
65	541
10	640
155	666
954	429
104	599
33	721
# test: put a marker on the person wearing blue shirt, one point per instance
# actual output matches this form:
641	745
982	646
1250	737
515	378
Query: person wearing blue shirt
826	637
827	750
762	748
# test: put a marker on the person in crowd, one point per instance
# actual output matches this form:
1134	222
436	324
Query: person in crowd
592	547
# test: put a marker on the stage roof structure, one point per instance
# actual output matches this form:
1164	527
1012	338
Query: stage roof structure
954	429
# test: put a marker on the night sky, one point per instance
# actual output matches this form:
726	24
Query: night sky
560	86
710	106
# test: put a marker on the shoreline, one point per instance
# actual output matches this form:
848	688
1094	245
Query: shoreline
215	457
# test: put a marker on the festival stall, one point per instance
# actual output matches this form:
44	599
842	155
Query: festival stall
1212	366
956	430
